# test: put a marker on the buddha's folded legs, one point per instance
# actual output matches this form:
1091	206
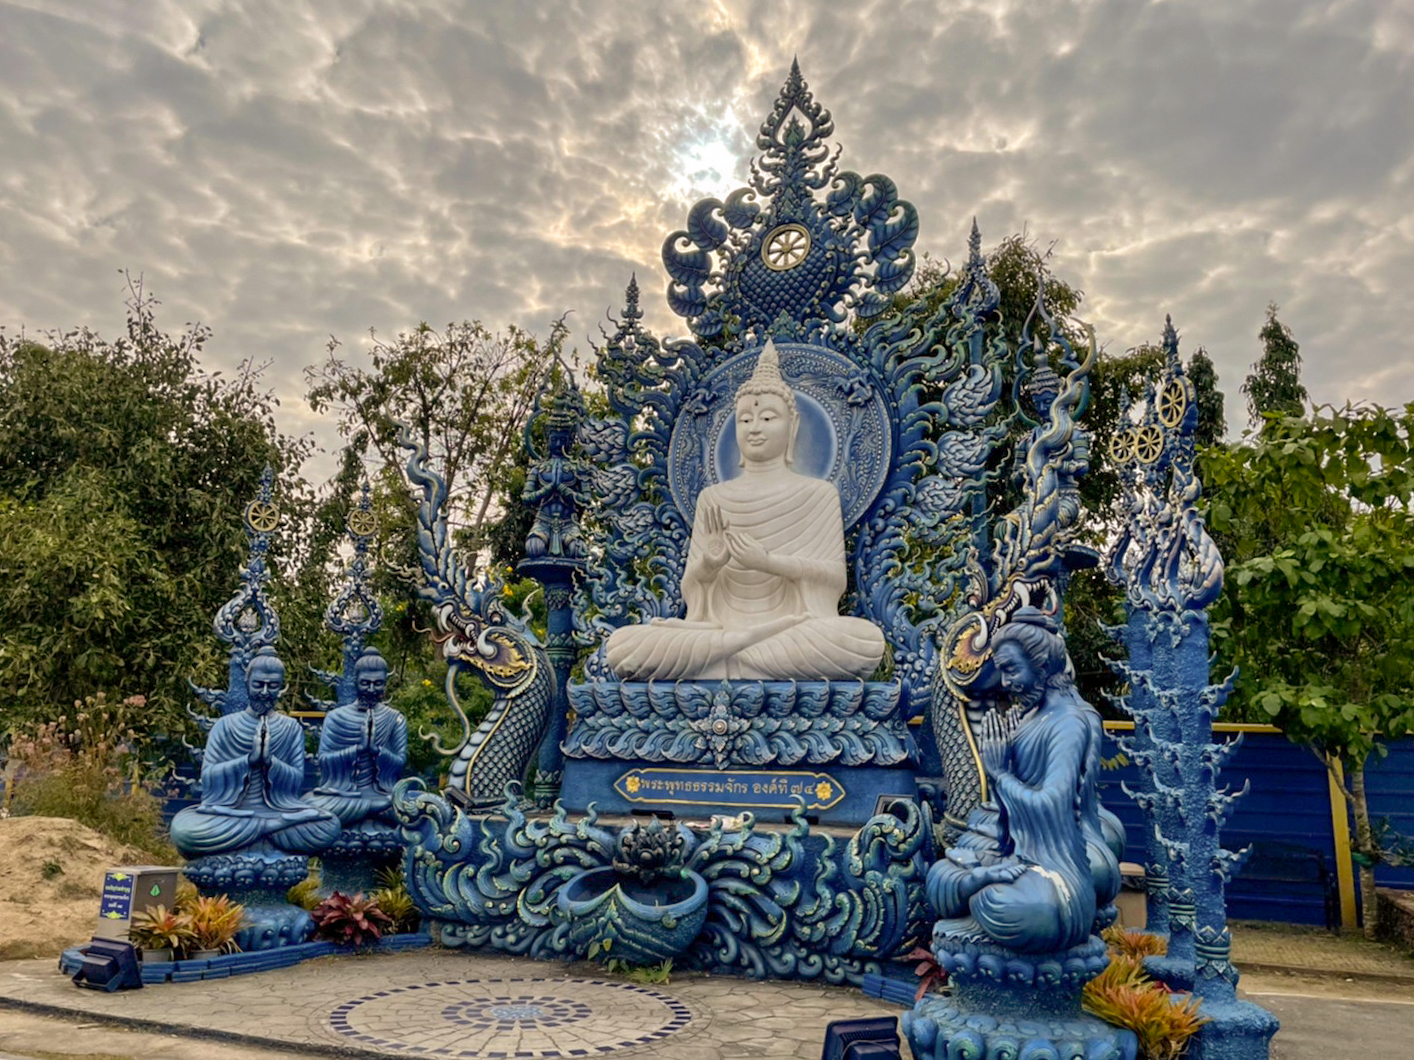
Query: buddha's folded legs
308	837
197	833
829	649
677	650
350	809
1034	914
666	651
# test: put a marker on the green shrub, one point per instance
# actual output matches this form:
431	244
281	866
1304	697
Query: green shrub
1128	943
305	894
85	766
422	699
394	899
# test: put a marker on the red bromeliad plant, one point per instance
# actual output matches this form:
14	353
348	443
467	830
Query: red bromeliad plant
930	974
355	921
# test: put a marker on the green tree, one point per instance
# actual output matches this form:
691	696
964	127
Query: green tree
1314	516
124	472
1274	387
1212	420
464	392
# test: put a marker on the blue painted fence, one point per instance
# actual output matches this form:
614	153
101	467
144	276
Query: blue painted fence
1287	814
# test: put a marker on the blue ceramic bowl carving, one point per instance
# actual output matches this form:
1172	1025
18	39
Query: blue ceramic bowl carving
638	922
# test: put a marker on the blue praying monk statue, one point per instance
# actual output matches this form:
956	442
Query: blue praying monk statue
362	750
1033	866
251	776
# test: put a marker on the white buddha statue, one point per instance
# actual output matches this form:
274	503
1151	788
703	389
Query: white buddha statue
765	568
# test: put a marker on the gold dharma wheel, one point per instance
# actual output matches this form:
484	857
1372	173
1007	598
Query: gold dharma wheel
262	516
1172	403
1122	446
1148	443
785	247
362	522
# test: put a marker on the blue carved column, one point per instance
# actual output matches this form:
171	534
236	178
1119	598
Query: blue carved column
554	551
246	622
1172	573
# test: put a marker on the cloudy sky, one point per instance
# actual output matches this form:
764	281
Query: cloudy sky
289	170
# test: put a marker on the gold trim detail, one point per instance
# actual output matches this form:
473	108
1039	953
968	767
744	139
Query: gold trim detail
785	248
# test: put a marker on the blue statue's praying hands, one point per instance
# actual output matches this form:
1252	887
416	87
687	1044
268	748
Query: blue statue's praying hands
251	776
363	748
1033	866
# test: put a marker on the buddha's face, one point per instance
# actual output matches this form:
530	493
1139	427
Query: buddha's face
371	681
264	683
763	427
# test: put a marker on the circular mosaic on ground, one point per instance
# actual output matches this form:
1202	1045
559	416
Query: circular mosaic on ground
504	1018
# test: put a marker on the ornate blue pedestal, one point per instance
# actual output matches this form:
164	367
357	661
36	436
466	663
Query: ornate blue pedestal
1239	1030
697	748
1006	1005
258	880
351	864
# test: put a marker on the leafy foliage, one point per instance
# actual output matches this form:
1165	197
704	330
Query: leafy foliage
160	928
1123	995
1315	518
351	920
85	765
1274	387
642	974
124	470
931	976
1212	420
1135	945
464	392
394	899
305	894
215	921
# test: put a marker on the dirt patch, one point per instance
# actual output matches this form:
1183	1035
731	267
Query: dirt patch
51	875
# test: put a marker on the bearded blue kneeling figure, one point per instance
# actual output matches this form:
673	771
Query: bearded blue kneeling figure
1020	891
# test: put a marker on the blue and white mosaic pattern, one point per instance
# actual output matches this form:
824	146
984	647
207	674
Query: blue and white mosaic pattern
505	1018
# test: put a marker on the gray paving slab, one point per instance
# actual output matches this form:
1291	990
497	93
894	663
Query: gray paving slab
448	1004
1323	1028
439	1003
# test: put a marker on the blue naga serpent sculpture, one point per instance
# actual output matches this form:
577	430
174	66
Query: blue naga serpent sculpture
475	634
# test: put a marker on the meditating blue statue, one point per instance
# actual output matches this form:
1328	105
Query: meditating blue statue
362	751
251	776
1033	866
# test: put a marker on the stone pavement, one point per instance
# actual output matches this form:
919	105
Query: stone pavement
445	1003
1258	947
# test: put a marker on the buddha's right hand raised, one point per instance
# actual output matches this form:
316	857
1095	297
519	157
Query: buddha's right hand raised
714	542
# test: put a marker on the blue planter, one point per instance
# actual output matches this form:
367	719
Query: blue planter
636	922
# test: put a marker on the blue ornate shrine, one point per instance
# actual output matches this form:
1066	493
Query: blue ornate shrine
806	828
814	785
